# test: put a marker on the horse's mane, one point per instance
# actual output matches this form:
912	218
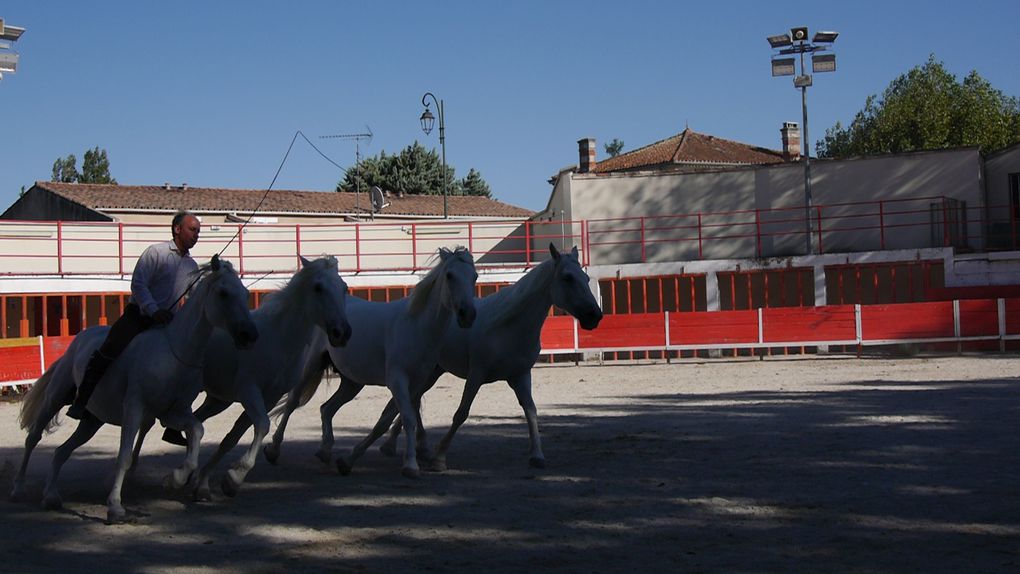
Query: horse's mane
508	302
290	293
435	278
206	269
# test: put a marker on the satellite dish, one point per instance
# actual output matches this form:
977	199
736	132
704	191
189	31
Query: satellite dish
378	201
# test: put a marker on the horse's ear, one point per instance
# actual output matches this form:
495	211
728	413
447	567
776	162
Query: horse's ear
214	263
552	251
444	254
304	262
573	251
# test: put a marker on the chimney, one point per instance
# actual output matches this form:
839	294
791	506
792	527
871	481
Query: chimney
184	186
791	140
586	155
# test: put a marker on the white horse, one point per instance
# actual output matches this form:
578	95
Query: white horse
395	345
315	298
502	345
157	376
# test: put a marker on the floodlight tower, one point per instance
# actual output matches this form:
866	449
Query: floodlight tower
8	57
796	42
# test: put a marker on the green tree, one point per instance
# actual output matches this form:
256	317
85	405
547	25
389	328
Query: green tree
473	184
413	171
65	170
95	168
614	147
927	108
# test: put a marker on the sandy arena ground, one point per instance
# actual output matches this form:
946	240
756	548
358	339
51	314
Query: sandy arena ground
820	465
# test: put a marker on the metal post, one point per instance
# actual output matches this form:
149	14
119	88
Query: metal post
807	161
442	141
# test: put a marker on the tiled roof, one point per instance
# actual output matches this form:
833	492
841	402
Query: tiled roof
202	199
690	148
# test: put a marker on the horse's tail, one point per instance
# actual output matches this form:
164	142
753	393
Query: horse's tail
310	385
34	403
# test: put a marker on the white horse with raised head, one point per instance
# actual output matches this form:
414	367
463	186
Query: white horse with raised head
503	345
395	345
313	301
157	376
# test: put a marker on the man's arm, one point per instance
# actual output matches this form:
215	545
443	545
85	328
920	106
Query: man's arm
144	269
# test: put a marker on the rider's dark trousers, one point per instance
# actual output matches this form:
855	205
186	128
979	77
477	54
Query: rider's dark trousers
123	330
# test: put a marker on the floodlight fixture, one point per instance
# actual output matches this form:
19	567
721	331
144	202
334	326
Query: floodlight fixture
799	34
11	33
823	63
780	40
784	66
825	37
8	62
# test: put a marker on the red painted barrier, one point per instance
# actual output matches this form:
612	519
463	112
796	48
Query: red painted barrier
624	331
20	363
55	347
907	321
979	318
809	324
558	334
713	327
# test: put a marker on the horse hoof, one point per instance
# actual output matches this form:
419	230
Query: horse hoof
342	466
116	516
388	449
535	462
272	455
202	495
324	456
437	465
407	472
52	502
228	486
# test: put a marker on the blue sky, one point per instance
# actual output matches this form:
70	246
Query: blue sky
211	93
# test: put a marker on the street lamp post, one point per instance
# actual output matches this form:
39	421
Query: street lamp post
427	121
796	42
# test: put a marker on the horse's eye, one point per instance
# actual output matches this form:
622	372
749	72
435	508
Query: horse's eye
449	276
318	287
222	293
568	278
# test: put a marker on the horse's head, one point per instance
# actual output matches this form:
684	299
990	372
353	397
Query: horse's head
324	295
570	290
226	303
457	280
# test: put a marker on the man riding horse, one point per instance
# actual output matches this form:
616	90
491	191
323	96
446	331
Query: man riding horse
158	282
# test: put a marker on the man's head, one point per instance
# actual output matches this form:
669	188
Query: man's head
185	228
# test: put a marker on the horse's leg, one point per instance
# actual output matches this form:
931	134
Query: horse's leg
255	409
144	430
343	395
398	385
87	427
180	475
389	447
202	491
133	417
474	382
521	385
272	450
209	408
35	433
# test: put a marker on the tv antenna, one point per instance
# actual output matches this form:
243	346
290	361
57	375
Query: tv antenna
358	138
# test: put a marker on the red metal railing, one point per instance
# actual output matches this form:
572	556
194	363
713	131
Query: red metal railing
77	248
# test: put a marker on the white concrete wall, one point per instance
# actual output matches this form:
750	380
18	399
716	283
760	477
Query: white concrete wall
727	202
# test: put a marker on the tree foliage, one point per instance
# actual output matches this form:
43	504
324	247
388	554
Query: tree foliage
413	171
65	169
95	168
927	108
614	147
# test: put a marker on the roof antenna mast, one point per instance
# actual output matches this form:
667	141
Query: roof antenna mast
358	138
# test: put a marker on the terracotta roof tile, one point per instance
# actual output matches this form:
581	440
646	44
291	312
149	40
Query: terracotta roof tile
690	148
199	199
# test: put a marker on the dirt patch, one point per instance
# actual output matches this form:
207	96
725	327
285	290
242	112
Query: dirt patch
814	465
